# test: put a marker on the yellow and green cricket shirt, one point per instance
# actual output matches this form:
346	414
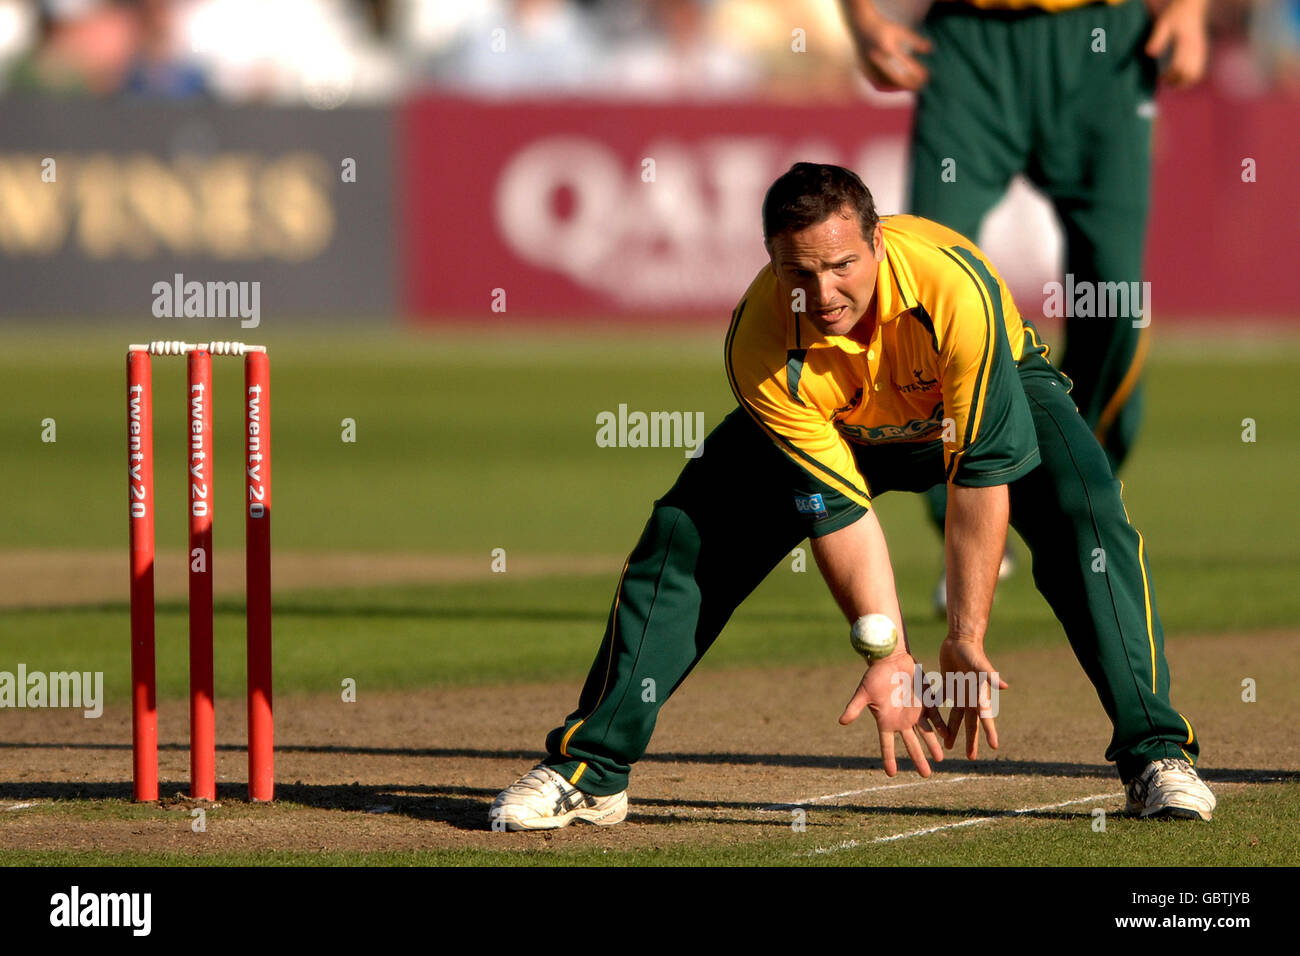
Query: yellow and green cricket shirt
936	388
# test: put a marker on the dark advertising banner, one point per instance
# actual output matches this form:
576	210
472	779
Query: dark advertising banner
141	209
607	210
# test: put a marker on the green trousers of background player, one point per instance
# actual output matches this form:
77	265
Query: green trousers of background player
730	519
1066	100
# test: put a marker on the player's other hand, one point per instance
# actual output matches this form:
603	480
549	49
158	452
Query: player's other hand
1179	40
886	52
968	681
889	690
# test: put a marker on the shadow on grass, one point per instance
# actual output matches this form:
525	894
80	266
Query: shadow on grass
995	768
465	807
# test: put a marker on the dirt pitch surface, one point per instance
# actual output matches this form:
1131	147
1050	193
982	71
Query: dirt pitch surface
735	753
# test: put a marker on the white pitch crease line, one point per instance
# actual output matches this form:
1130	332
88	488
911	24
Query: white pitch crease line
20	806
854	793
850	844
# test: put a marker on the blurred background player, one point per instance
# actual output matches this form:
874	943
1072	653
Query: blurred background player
1062	92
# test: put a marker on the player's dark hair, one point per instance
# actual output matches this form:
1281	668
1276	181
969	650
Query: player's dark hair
810	193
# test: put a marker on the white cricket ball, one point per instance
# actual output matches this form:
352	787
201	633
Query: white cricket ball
874	636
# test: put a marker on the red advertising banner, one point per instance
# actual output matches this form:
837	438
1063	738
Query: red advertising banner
620	210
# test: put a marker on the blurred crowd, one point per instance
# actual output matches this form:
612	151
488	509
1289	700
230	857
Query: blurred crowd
327	53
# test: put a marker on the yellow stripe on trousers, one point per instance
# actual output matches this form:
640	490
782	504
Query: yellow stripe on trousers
1146	590
1108	414
609	665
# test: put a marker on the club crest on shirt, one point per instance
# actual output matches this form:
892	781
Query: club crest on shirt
922	384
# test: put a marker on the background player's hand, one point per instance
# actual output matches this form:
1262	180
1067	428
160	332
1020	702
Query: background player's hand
885	52
958	661
1180	41
887	689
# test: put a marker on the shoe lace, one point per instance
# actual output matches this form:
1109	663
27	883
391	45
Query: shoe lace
1161	768
1170	765
537	779
1139	786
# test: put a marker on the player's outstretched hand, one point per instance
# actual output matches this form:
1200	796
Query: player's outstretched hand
1179	40
888	690
885	52
967	682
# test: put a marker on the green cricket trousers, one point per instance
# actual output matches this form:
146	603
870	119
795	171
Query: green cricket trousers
730	519
1065	99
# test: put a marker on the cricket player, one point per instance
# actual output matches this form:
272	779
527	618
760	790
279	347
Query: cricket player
871	355
1062	92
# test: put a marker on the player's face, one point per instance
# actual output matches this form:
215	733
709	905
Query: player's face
834	266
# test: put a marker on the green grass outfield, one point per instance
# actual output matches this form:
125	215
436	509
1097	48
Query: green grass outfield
469	443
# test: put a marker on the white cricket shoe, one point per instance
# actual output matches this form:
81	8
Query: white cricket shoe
543	800
940	597
1169	788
